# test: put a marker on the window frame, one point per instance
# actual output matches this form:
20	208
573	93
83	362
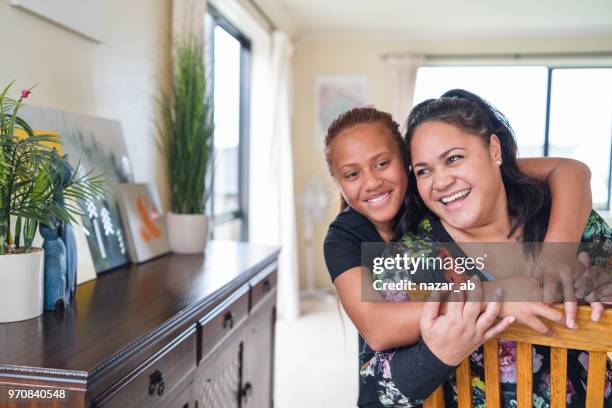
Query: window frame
242	212
551	68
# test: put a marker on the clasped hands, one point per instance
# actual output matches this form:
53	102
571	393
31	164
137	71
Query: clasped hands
454	329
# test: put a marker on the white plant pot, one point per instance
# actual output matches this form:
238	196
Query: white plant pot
22	280
187	233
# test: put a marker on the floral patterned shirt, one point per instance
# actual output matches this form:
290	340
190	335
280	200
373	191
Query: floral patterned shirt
598	239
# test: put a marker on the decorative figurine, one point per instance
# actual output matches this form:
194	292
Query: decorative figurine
60	248
57	294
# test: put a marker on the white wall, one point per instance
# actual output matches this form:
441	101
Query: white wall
362	55
117	79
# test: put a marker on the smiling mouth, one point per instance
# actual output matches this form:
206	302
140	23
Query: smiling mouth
455	197
378	199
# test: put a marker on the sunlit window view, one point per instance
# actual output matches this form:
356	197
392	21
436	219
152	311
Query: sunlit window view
581	123
577	129
228	93
227	120
518	92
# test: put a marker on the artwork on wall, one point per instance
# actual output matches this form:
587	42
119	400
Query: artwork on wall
335	94
85	17
93	144
143	221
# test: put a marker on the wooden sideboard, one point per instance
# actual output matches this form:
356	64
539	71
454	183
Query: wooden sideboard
181	331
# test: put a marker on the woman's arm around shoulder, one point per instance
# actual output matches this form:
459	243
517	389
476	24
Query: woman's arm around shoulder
570	188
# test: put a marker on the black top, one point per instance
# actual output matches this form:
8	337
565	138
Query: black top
345	235
342	251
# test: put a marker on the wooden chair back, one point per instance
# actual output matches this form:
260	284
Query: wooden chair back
594	337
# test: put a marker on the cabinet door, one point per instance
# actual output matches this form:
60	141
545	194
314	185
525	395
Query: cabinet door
183	399
218	376
259	355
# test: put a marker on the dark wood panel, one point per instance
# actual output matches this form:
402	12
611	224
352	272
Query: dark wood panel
223	321
157	379
134	320
115	310
263	284
183	399
259	355
218	378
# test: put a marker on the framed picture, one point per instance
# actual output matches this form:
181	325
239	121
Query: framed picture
143	221
335	94
84	17
93	144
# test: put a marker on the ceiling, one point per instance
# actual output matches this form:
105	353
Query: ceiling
305	18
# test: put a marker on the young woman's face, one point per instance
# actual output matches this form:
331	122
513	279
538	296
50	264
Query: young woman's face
369	170
457	174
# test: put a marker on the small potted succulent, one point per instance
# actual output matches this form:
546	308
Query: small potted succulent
29	172
186	140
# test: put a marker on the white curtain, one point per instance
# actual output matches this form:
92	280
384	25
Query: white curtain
272	206
403	79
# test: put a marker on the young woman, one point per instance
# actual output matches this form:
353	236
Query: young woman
368	161
466	186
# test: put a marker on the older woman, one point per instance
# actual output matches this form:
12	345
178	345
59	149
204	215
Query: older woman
468	188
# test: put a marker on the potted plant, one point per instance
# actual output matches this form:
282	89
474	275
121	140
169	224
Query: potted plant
29	171
186	140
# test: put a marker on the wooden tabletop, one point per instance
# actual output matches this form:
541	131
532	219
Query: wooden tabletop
121	306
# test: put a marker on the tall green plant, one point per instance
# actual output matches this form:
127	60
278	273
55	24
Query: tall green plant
30	178
186	128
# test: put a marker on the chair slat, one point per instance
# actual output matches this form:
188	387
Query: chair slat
593	336
435	400
524	375
596	379
464	384
558	377
491	363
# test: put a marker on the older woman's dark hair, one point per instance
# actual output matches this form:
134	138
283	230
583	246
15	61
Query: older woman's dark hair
528	198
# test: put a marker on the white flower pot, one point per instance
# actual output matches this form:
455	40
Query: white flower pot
22	280
187	233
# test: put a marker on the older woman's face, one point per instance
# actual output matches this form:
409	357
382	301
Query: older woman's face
457	174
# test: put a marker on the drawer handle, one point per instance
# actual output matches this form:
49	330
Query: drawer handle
247	391
157	382
267	286
228	320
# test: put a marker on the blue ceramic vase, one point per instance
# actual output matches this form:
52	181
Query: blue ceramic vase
67	237
57	295
60	247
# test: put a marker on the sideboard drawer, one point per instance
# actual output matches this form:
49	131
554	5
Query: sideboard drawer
263	284
150	384
223	320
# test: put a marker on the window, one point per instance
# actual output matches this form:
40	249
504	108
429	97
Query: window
564	112
581	123
228	53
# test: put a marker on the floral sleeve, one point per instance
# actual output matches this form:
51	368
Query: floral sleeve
597	240
389	395
379	368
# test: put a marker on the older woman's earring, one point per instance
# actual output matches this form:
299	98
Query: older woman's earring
498	162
